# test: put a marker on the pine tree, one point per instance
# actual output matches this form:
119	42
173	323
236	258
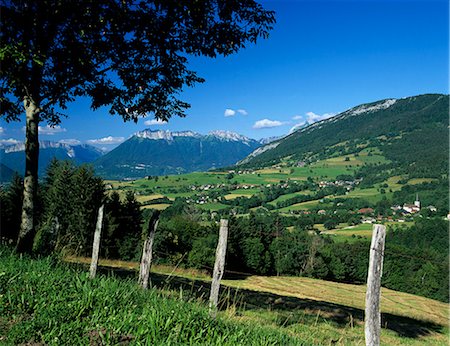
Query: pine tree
72	196
11	206
112	226
131	231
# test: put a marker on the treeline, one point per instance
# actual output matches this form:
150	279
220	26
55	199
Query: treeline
265	243
66	213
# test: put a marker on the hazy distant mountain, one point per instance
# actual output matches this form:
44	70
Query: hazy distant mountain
13	156
6	173
164	152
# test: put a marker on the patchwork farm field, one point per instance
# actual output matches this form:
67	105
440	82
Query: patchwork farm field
249	183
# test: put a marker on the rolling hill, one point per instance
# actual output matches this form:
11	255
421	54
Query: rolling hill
411	133
163	152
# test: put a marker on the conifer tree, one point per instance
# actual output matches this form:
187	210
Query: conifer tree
11	206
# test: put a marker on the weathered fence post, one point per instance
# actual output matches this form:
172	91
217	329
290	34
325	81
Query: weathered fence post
373	293
219	266
96	245
146	260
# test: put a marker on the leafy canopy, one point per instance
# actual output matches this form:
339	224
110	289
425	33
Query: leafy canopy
129	54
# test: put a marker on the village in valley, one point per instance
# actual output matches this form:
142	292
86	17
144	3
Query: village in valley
224	172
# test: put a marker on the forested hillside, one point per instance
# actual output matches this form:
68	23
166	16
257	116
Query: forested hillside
412	133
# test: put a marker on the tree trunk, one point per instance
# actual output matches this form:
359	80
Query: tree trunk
30	182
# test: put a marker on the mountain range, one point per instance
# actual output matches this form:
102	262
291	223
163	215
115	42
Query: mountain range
13	158
163	152
145	153
411	133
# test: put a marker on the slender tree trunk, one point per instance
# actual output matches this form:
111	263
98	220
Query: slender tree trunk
30	182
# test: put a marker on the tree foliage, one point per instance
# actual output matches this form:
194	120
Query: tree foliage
11	206
131	55
72	196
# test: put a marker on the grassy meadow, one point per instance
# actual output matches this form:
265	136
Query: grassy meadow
173	186
314	311
44	301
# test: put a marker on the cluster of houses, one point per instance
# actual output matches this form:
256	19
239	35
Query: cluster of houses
247	171
408	209
206	187
348	184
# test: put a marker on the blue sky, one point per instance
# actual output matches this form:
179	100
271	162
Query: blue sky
322	58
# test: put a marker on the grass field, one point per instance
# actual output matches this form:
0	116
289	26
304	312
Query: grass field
314	311
43	303
143	199
288	196
160	206
363	230
345	232
300	206
212	206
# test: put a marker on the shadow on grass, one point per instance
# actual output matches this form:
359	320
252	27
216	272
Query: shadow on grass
290	310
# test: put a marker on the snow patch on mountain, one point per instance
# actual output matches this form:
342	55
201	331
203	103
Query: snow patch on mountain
42	145
169	136
229	136
70	149
164	134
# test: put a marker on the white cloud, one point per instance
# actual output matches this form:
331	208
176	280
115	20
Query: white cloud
297	126
70	141
48	130
106	140
297	117
229	112
2	130
267	123
10	141
155	122
313	117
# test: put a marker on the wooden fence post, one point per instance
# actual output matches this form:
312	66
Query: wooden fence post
146	260
96	245
219	266
373	293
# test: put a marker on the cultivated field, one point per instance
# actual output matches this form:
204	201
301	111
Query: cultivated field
197	184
